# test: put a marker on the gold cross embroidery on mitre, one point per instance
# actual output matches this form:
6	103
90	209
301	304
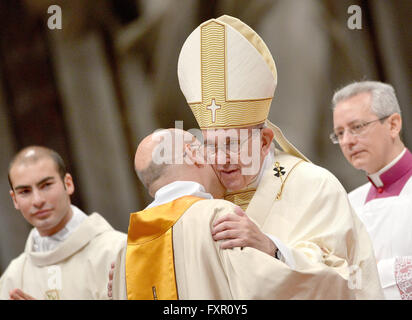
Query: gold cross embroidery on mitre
215	110
213	107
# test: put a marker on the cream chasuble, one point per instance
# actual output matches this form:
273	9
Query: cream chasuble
204	271
77	269
324	249
228	77
306	207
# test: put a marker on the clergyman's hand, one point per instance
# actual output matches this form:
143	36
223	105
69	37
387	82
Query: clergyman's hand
237	230
17	294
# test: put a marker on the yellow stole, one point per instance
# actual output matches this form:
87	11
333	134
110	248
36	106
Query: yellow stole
150	270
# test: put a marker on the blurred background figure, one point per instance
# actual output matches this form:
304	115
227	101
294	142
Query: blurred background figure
367	123
96	87
67	254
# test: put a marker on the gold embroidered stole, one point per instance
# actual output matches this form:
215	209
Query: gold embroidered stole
241	198
272	186
150	271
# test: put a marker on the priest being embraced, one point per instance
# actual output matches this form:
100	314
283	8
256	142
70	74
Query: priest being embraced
171	253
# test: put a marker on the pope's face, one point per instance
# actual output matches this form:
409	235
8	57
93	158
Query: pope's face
41	195
236	155
369	149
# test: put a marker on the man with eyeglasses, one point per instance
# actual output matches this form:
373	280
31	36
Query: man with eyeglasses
367	124
228	78
171	253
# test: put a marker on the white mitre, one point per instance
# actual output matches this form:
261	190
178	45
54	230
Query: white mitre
228	77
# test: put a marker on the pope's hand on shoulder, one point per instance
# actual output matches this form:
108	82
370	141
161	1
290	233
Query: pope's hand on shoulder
17	294
237	230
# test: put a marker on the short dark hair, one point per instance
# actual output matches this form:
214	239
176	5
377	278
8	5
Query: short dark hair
152	173
42	152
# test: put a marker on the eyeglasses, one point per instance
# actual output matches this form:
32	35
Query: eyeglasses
234	147
355	129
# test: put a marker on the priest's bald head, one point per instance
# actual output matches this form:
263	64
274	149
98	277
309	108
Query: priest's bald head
171	155
41	188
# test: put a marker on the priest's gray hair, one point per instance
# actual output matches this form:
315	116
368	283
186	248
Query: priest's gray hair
384	101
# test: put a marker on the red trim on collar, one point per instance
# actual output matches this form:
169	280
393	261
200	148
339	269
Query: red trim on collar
394	179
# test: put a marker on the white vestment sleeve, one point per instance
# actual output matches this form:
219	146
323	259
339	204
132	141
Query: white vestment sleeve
119	291
387	276
286	255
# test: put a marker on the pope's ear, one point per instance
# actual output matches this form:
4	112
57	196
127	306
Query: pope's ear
266	140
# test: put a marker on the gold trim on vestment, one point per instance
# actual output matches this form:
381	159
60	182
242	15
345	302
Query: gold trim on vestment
279	194
150	269
241	198
51	295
